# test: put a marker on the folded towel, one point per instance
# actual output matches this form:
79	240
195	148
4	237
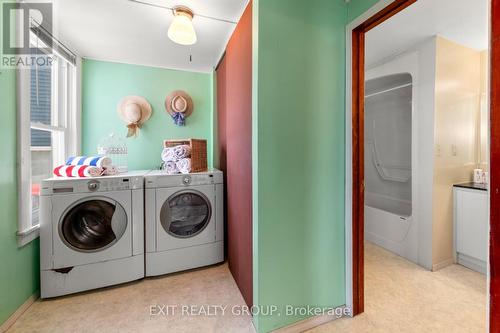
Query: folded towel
182	151
97	161
77	171
168	155
170	168
184	165
110	171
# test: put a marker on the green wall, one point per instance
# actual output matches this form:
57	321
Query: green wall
104	84
299	79
358	7
19	267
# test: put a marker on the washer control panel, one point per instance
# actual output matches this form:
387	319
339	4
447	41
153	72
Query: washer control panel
102	184
93	185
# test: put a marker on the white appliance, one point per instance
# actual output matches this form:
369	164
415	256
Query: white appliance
91	232
470	219
184	221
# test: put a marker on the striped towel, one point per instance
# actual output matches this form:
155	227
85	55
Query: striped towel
96	161
77	171
110	171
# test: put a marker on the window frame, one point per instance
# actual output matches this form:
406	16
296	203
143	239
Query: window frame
70	138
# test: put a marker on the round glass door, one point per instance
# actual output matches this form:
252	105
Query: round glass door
185	214
93	225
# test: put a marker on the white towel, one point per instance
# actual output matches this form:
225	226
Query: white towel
168	155
170	168
77	171
182	151
96	161
184	165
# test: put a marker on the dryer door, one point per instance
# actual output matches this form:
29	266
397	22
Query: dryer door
186	217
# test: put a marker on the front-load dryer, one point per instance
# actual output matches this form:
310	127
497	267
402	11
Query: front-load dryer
184	221
91	232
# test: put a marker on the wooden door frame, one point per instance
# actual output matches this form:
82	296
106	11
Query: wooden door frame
355	155
494	250
357	142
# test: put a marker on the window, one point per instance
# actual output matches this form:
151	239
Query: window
48	128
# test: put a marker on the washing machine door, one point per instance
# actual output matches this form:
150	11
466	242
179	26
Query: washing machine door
93	225
90	229
186	217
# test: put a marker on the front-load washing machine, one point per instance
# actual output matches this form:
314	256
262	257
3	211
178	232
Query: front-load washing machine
91	232
184	221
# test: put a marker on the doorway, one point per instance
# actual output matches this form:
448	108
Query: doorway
361	86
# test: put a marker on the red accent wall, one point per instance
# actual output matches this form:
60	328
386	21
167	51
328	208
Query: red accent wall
234	105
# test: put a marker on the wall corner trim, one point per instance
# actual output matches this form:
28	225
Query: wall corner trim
18	313
442	264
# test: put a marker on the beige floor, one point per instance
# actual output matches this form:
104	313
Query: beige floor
400	297
126	308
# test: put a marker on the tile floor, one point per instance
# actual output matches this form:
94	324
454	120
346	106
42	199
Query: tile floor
403	297
126	308
400	297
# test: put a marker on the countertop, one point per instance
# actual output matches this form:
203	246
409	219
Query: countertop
473	186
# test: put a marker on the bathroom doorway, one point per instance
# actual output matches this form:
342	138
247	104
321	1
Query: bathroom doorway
401	136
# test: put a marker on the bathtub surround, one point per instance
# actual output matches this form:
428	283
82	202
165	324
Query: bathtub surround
105	83
417	244
389	156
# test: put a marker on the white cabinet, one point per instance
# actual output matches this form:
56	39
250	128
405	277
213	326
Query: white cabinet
471	228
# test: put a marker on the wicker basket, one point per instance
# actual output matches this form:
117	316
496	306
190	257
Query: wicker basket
198	152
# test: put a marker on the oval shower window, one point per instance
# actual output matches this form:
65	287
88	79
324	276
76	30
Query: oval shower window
185	214
93	225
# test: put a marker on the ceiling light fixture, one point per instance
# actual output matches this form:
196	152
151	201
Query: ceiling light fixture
181	30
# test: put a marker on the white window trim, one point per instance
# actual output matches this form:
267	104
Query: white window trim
72	135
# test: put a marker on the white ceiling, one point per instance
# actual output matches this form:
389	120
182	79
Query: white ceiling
462	21
130	32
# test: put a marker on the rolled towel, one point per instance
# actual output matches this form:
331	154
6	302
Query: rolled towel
97	161
168	155
184	165
170	168
110	171
77	171
182	151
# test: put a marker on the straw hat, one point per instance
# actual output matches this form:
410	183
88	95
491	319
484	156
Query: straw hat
134	111
179	105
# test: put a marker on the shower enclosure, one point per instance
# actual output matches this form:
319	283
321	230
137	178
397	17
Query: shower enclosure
388	163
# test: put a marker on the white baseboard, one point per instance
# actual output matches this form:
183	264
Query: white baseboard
15	316
307	324
442	264
472	263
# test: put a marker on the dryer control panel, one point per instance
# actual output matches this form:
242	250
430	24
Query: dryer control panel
158	179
